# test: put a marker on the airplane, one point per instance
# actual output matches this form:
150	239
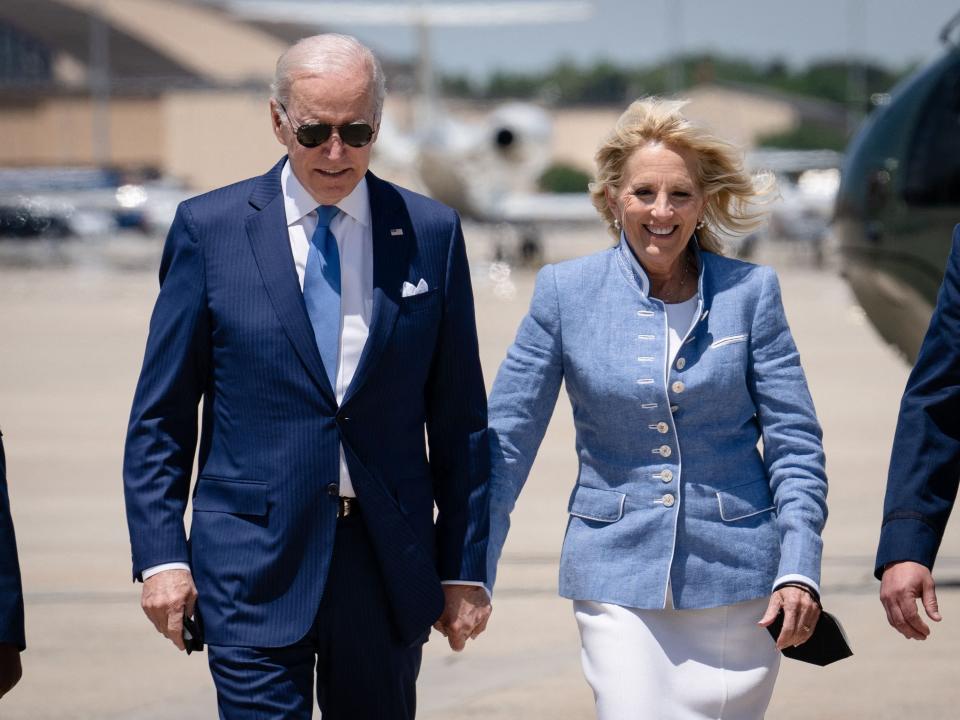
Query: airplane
485	170
899	199
807	182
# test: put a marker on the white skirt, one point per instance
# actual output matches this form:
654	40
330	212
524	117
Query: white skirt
715	663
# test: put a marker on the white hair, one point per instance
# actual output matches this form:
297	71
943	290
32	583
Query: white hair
321	54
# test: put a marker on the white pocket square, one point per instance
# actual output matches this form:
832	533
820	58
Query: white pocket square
409	290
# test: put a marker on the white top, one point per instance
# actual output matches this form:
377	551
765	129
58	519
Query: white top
679	320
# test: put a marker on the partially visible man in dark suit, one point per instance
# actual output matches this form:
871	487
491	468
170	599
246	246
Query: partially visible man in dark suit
12	642
924	467
325	318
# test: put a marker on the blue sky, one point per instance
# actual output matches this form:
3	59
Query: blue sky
892	32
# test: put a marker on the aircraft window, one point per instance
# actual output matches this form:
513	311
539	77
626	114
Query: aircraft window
933	167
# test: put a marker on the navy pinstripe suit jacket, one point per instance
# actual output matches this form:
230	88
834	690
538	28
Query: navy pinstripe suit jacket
924	470
230	327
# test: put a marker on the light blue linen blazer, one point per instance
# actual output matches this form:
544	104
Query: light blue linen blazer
671	482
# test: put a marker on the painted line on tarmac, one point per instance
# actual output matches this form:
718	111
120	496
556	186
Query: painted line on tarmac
81	597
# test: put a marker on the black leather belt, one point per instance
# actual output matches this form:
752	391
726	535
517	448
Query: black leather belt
348	506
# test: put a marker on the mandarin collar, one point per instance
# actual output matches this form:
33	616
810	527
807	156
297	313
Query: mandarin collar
641	275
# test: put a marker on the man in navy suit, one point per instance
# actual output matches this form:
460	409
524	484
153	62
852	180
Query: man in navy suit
325	318
11	594
924	467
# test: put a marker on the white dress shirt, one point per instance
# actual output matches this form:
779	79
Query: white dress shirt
354	233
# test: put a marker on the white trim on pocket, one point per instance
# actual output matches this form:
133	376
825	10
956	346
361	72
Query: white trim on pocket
741	502
580	503
728	341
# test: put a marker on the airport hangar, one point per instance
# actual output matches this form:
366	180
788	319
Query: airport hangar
178	88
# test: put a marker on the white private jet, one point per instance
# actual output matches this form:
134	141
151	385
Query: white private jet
487	170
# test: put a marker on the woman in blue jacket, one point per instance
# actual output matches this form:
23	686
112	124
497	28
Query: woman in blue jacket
684	538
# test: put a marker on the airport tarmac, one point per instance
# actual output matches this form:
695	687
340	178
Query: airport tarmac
71	339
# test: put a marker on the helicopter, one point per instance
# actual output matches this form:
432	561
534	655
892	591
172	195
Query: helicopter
899	199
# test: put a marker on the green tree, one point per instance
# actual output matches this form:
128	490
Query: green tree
563	178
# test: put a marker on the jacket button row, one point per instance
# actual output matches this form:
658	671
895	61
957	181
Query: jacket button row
668	500
678	387
666	475
664	451
681	363
663	428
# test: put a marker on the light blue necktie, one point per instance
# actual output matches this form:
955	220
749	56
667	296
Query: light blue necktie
321	290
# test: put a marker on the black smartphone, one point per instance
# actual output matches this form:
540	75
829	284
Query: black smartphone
192	635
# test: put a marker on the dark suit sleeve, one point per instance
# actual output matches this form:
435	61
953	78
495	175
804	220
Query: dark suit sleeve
925	462
456	427
162	435
11	592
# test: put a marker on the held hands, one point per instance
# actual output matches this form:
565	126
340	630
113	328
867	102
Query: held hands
167	597
800	615
901	585
465	614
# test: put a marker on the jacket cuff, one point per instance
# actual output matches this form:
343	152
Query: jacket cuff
906	539
471	583
797	578
151	571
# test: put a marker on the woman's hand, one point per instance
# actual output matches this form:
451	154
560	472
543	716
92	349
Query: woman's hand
800	614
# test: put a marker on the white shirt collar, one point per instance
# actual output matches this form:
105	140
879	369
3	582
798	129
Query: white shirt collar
298	202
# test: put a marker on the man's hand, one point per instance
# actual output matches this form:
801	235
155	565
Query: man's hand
901	585
10	670
800	615
465	614
167	597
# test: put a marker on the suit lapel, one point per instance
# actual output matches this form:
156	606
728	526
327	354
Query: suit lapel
390	259
270	242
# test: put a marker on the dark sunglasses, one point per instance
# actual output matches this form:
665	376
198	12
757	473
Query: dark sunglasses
355	134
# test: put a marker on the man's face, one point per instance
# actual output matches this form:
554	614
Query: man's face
331	170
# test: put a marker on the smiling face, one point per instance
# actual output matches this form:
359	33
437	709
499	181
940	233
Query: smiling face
331	170
658	204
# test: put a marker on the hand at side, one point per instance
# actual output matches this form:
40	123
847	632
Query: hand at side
167	597
902	584
800	615
465	614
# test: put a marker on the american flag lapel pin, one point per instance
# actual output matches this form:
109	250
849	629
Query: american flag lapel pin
396	231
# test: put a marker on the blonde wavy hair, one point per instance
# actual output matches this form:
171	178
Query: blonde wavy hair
733	197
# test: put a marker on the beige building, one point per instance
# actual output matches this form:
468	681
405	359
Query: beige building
188	93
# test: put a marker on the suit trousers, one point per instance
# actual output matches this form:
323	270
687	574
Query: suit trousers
362	670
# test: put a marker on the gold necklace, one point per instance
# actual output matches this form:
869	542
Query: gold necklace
669	297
